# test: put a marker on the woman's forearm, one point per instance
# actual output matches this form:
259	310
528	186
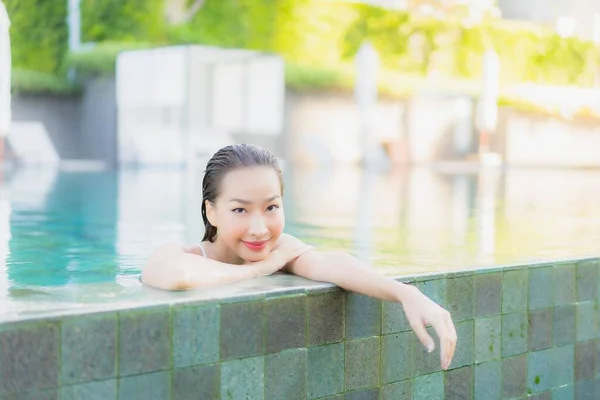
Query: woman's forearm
350	274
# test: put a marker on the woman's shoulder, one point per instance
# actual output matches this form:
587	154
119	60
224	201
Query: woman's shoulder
198	249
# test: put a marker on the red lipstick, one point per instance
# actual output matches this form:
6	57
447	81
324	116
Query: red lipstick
255	246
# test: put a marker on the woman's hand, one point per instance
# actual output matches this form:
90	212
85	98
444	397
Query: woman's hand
420	311
280	256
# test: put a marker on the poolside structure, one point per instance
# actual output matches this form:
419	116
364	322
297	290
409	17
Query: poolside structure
5	76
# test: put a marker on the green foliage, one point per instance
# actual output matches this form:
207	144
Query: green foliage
38	33
101	59
40	82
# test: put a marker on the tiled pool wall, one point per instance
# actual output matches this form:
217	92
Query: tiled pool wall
525	332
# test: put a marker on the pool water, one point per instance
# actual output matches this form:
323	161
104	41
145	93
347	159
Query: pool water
59	228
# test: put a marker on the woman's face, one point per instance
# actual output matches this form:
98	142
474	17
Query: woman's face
248	213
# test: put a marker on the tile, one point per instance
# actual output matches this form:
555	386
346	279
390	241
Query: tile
565	289
424	362
564	325
362	363
541	288
286	323
515	290
363	394
435	289
465	346
363	316
564	365
196	382
488	294
393	319
153	386
587	321
29	357
541	396
335	397
540	329
397	391
539	370
587	281
459	384
242	330
48	394
325	318
88	349
586	390
195	335
243	379
429	387
99	390
515	329
563	393
514	376
285	375
488	380
397	356
487	338
585	360
459	297
325	370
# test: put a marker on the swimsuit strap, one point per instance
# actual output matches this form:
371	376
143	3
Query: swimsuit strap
202	249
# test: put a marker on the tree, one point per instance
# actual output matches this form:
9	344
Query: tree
178	12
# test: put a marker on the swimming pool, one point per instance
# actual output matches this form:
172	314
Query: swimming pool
61	228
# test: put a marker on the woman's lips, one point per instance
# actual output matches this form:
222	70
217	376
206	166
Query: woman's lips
255	246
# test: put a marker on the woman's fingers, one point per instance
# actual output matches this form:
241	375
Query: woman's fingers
445	330
419	328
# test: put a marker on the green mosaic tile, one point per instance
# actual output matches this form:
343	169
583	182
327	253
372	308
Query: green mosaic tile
393	318
424	362
488	380
397	356
585	360
563	393
586	390
464	352
362	363
459	384
515	290
243	379
488	295
541	396
138	332
325	318
325	370
565	285
285	375
89	338
197	382
515	329
587	281
540	329
597	358
336	397
541	288
363	316
195	335
286	323
154	386
514	376
435	289
29	355
100	390
363	394
397	391
459	297
539	370
429	387
564	325
587	321
48	394
488	338
564	364
242	330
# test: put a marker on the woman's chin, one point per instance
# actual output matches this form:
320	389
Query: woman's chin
254	256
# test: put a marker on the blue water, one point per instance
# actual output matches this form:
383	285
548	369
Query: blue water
63	228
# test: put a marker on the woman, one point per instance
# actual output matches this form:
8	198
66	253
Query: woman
243	215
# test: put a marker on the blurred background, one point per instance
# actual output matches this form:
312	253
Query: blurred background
417	134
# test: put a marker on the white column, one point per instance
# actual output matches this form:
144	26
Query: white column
5	71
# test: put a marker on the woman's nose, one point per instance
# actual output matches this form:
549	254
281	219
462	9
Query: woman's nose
258	227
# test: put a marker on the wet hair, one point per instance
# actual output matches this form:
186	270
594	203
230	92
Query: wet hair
225	160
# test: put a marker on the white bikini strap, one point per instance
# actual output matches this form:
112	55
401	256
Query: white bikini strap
202	249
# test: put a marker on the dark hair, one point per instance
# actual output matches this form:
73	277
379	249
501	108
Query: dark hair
226	160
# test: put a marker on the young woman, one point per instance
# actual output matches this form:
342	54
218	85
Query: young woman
243	216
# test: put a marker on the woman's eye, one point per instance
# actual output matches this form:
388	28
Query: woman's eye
238	210
272	207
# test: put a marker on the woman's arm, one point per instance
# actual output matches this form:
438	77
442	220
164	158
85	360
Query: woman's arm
350	274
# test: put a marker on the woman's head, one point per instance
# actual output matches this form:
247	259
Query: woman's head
241	200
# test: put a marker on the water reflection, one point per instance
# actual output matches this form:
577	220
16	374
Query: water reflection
60	228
